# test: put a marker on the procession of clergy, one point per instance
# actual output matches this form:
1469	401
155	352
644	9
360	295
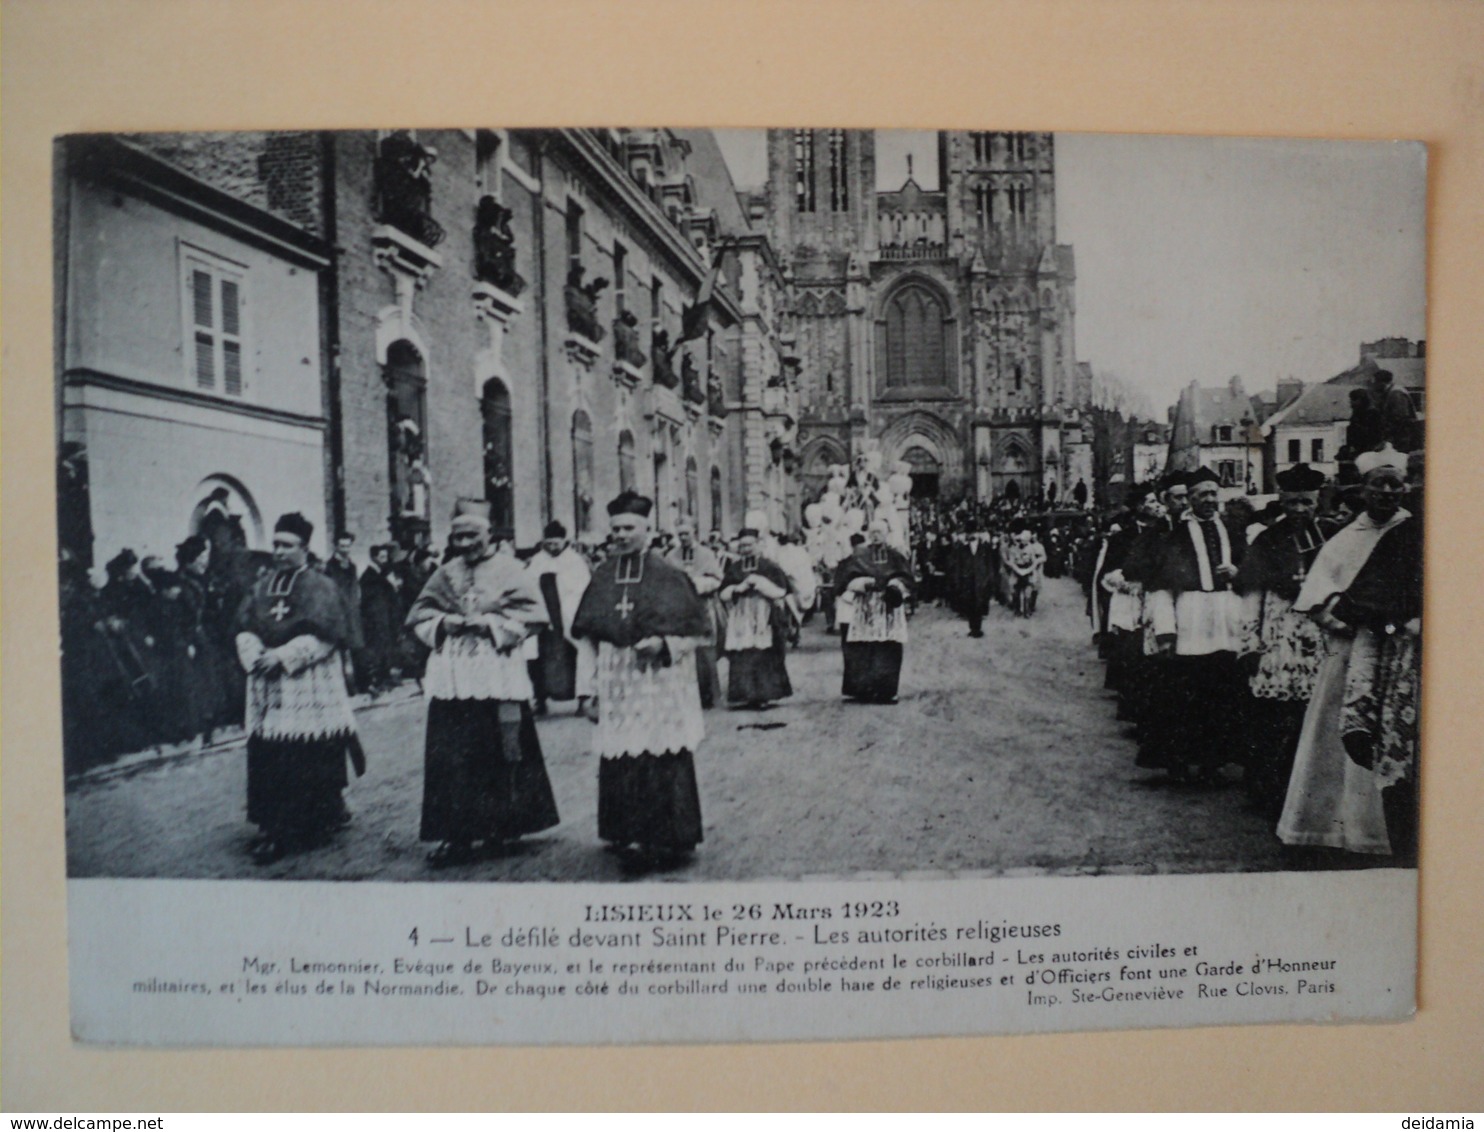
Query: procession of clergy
1288	646
633	640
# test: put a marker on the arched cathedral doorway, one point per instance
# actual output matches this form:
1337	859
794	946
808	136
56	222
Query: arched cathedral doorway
927	473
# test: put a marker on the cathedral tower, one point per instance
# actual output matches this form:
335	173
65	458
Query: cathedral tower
934	324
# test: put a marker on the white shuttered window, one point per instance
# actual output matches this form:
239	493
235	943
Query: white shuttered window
215	323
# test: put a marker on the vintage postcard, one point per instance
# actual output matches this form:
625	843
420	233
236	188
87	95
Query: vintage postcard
657	584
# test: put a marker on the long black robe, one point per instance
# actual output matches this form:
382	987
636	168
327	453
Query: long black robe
484	778
760	675
1198	707
647	791
382	612
295	775
873	669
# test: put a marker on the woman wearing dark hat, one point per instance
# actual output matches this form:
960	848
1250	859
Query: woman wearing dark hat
202	669
291	632
127	600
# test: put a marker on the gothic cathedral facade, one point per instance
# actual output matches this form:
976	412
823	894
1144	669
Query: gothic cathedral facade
935	326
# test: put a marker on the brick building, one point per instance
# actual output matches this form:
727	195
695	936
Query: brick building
520	323
372	326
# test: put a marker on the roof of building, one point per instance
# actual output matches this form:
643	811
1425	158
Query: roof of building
1225	405
911	197
1201	410
713	180
1329	401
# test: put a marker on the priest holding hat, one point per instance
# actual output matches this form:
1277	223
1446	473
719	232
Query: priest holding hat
643	619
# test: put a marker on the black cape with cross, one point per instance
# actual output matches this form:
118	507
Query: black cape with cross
653	599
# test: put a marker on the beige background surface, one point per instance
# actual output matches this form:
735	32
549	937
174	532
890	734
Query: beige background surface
1336	69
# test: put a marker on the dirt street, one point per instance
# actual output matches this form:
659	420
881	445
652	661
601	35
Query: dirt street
1002	758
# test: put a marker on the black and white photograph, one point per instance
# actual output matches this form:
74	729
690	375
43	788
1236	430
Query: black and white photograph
735	505
710	584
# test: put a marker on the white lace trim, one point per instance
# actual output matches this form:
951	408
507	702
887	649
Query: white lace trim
647	712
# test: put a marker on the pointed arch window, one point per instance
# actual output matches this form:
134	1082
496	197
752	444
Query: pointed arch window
804	170
916	331
839	193
499	453
716	501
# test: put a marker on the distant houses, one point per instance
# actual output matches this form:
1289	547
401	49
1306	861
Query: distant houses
1220	429
1311	428
1248	439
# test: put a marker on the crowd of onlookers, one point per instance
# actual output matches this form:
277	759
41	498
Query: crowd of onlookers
149	657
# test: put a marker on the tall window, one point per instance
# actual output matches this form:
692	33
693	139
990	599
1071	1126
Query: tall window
628	470
656	304
914	338
214	301
582	471
407	455
499	454
574	234
662	495
716	502
804	170
1295	450
692	489
839	192
620	275
1316	450
984	204
1018	196
487	163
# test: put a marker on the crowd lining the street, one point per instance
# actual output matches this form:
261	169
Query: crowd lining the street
1283	643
